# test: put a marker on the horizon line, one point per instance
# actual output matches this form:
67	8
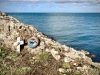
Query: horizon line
52	12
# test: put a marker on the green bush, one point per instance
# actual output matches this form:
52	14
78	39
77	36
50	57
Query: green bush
3	53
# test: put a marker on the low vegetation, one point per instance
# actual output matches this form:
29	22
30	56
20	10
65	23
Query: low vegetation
24	63
13	63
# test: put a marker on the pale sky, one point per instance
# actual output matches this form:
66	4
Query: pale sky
60	6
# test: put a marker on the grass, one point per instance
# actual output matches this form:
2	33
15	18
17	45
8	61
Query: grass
66	65
44	56
13	63
3	53
77	72
23	70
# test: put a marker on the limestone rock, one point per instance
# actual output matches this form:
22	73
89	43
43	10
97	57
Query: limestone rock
61	70
85	52
96	65
67	59
11	29
55	54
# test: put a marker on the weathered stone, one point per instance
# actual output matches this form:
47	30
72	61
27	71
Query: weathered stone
2	14
85	52
53	51
11	28
55	54
85	67
75	64
2	36
93	56
1	17
96	65
31	28
79	68
42	44
67	59
47	50
88	60
61	70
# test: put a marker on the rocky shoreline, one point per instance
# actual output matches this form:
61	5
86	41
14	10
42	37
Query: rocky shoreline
11	29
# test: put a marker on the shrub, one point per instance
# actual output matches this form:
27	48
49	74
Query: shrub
3	53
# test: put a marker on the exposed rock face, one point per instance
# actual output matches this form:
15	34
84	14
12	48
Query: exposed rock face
11	28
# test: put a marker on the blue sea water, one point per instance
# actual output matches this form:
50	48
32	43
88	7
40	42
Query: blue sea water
78	30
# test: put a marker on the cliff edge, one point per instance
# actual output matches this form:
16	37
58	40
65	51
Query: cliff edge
17	36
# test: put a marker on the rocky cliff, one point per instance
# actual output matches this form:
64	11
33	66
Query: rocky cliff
11	29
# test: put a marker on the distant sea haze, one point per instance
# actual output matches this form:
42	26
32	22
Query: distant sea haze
78	30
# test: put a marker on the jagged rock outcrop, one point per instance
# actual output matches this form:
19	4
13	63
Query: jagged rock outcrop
11	28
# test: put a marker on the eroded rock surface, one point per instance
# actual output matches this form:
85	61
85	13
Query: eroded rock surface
11	28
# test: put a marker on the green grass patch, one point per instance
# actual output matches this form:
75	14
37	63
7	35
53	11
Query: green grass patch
66	65
77	72
3	53
22	70
44	56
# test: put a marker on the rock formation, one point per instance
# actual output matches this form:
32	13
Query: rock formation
11	29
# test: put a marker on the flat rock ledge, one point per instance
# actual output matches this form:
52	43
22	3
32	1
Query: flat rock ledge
11	29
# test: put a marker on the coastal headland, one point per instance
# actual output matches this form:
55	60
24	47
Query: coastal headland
12	31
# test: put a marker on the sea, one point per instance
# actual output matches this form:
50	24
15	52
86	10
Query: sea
80	31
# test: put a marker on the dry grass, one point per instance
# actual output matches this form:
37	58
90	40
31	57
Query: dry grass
13	63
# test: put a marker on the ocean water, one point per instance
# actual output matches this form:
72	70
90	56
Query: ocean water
78	30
